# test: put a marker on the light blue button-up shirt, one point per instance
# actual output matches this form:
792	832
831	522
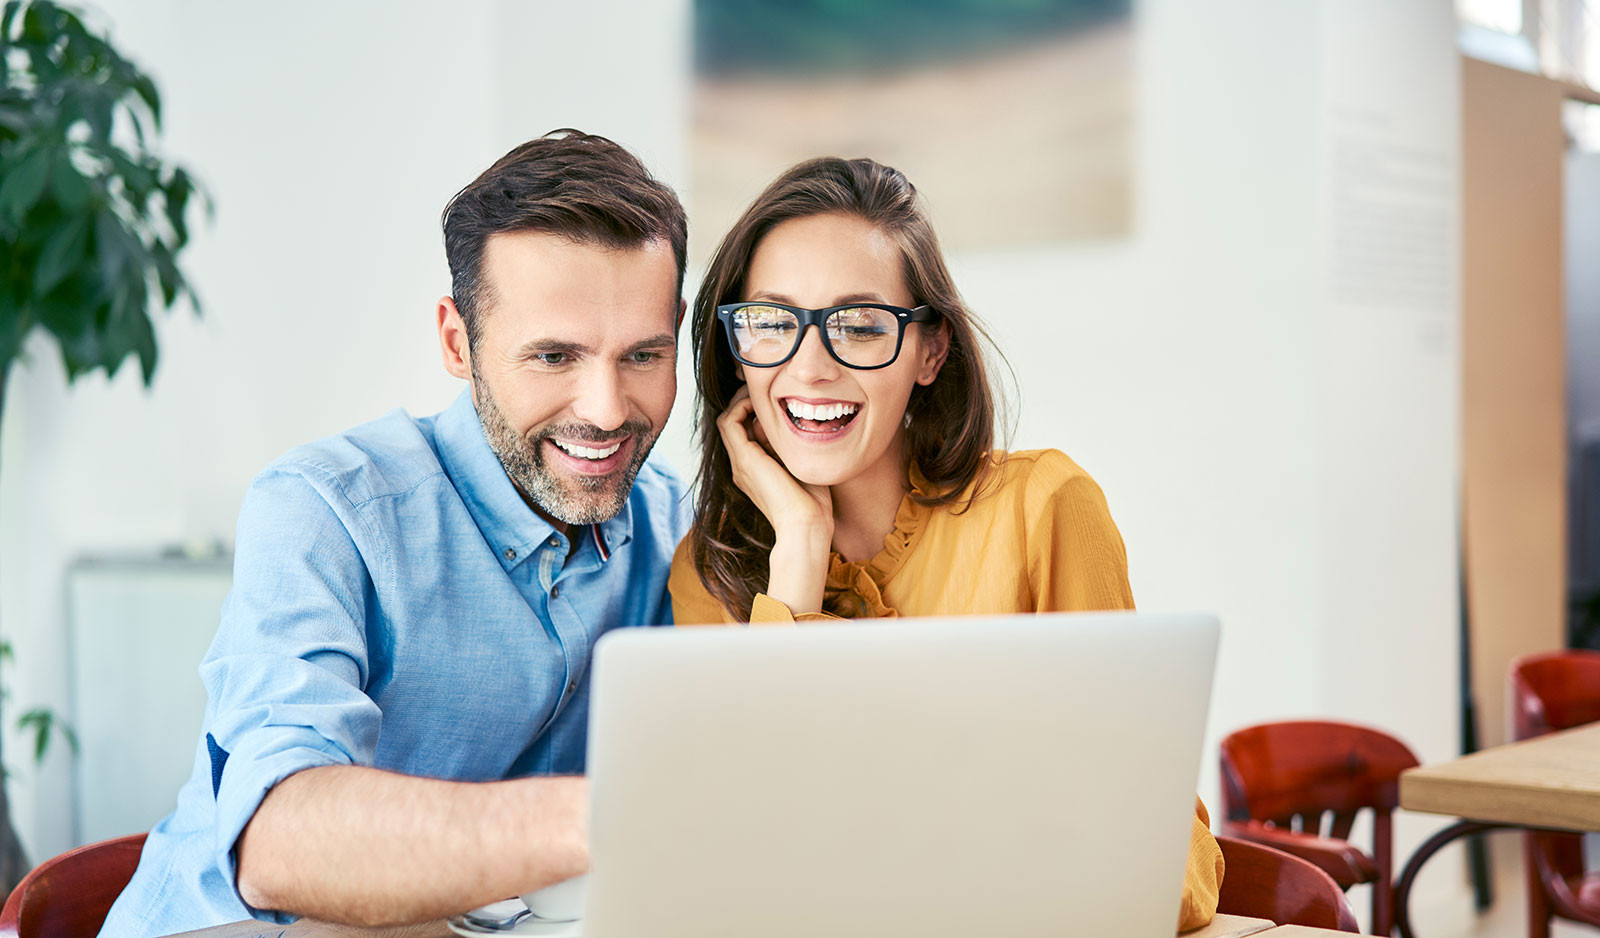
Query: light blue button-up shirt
395	604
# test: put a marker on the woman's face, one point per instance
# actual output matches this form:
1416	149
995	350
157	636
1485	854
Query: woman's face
816	262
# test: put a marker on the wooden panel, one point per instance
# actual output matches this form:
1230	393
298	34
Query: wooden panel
1513	375
1551	781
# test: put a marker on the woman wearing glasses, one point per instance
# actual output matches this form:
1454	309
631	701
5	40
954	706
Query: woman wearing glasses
851	471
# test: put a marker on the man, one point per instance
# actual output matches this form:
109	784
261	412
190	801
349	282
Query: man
398	691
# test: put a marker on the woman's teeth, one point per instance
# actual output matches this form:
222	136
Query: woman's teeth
585	452
820	412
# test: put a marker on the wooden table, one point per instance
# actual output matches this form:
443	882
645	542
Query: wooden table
1224	926
1548	783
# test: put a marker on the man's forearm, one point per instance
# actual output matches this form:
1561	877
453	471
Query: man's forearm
368	847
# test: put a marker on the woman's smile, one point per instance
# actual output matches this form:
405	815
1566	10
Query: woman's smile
819	421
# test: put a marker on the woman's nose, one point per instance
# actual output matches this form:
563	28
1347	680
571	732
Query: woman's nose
811	361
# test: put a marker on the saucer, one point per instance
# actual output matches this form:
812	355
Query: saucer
529	927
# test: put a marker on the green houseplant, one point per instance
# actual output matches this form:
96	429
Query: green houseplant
91	222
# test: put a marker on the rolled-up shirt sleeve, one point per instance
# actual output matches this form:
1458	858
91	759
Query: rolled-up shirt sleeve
286	676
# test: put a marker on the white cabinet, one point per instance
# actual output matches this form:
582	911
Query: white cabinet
136	633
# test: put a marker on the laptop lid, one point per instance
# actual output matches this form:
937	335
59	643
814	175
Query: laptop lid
1017	775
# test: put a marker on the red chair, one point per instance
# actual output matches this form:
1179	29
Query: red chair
69	896
1265	883
1549	692
1279	779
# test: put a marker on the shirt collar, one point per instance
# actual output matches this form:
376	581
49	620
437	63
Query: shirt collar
512	528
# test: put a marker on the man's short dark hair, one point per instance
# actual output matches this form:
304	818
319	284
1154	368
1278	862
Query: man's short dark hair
582	186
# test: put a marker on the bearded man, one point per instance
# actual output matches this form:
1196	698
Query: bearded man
398	689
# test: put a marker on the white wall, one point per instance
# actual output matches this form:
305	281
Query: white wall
1268	453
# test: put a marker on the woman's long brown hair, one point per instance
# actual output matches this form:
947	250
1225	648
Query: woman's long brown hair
952	420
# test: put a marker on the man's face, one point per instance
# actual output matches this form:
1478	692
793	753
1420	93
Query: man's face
573	366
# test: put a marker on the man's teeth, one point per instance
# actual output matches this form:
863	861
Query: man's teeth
806	411
587	453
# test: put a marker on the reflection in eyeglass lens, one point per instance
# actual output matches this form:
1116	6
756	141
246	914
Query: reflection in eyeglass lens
859	335
862	336
764	333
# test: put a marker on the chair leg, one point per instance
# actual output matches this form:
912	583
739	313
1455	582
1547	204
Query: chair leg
1538	902
1383	889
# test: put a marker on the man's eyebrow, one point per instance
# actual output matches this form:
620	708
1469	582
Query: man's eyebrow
664	340
551	346
559	346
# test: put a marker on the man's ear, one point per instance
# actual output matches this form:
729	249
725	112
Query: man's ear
935	349
453	344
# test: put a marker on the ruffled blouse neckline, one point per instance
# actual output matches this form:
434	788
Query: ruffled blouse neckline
854	589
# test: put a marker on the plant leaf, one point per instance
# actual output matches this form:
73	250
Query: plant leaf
111	245
38	720
14	326
177	191
144	342
68	185
15	119
145	88
6	18
39	23
25	183
167	275
63	251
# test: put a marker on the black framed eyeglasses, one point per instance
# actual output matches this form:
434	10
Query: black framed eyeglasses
857	335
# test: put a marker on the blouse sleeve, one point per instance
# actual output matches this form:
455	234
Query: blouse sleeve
1202	879
1077	562
693	604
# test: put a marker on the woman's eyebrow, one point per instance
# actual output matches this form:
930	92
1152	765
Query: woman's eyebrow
840	301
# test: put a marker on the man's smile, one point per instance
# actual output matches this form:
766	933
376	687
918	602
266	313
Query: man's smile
589	459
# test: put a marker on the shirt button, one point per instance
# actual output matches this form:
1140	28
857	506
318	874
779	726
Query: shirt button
511	553
555	591
572	686
554	542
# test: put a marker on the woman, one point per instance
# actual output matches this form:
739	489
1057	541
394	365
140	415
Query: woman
851	472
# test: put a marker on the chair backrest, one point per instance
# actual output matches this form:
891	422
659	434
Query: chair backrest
68	896
1290	773
1265	883
1554	691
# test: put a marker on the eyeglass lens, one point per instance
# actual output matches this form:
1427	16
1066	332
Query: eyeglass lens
861	336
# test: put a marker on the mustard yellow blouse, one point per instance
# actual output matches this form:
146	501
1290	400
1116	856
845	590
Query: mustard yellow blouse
1038	514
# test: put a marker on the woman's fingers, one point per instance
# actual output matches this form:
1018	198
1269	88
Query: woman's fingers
736	413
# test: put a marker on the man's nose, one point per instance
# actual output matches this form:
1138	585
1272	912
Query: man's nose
600	401
811	361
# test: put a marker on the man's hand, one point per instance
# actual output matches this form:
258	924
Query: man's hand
365	847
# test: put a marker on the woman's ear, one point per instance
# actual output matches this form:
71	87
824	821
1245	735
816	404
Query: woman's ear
935	349
738	371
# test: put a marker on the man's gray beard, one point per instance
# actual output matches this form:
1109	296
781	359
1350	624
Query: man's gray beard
592	500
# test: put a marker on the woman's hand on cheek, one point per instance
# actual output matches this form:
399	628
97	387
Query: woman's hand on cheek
801	514
790	505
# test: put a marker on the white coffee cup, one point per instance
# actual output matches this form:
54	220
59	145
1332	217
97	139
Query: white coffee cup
562	902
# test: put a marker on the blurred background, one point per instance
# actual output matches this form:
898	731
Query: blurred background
1309	286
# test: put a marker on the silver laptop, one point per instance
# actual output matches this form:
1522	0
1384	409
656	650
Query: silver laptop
1011	775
